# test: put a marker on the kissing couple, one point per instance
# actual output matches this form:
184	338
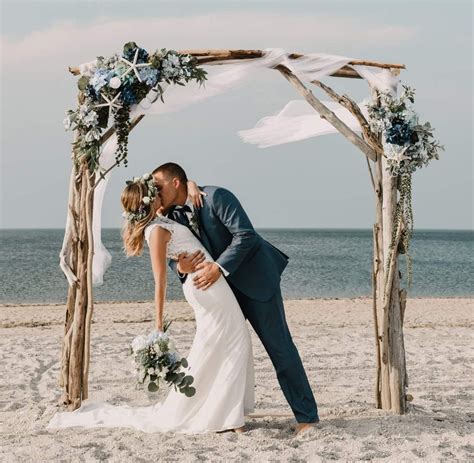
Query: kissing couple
229	274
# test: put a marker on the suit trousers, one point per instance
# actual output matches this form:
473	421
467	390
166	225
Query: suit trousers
269	322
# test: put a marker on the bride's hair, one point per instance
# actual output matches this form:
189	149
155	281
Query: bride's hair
140	215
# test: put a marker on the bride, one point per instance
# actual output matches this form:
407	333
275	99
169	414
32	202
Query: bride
220	358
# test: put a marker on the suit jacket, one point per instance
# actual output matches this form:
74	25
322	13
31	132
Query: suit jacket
254	265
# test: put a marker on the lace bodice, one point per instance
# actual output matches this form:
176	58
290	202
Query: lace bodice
182	238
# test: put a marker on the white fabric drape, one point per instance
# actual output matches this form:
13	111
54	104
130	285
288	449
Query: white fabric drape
295	122
298	121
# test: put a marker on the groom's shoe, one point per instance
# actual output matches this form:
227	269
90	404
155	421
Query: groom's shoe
303	427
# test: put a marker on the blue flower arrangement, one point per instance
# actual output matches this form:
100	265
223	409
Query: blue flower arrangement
408	145
113	85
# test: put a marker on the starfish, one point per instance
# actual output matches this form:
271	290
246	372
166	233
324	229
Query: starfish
110	103
133	66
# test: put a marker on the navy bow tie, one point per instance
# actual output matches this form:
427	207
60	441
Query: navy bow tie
182	209
179	213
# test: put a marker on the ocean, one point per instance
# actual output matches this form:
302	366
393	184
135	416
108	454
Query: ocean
324	263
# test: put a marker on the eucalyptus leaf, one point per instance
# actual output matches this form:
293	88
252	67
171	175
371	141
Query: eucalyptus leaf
190	391
152	387
82	83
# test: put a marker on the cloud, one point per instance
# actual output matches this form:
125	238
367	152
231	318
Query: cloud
70	43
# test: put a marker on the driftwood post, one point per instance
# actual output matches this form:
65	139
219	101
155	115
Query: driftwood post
390	393
76	262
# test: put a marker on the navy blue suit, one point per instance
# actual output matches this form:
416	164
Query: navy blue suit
255	267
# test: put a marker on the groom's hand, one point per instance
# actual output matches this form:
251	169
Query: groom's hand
208	276
187	263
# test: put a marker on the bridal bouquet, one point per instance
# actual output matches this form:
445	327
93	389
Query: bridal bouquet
158	361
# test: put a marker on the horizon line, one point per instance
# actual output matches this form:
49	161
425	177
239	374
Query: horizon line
257	228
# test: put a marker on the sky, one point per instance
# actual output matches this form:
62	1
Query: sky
316	183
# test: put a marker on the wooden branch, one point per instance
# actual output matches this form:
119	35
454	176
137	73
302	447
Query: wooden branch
354	109
111	130
73	225
370	173
375	270
90	298
77	340
392	265
64	371
325	113
403	303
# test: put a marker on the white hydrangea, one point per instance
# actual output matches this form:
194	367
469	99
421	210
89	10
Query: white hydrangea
67	122
139	343
91	119
93	134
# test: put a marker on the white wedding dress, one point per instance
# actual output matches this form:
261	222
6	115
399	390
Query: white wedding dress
220	360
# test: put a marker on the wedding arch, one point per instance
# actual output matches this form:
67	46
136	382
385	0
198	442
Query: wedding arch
115	93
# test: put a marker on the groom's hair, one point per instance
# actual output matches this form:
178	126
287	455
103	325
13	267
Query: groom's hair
172	170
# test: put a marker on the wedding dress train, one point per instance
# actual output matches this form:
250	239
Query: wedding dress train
220	360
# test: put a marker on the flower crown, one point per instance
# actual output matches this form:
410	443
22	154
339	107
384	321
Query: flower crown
143	209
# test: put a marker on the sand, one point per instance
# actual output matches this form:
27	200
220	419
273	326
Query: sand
335	340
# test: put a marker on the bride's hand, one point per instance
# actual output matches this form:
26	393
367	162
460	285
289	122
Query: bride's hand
195	194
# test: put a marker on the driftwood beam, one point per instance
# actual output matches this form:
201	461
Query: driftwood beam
251	54
221	56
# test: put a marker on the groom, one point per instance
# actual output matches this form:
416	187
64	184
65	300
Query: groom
252	268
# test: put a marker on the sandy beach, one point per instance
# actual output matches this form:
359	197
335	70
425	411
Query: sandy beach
335	340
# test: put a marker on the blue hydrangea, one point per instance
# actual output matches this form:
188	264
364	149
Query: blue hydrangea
157	336
128	95
399	133
149	75
100	78
90	92
172	357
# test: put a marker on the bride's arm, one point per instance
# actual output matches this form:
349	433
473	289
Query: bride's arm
195	194
158	241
